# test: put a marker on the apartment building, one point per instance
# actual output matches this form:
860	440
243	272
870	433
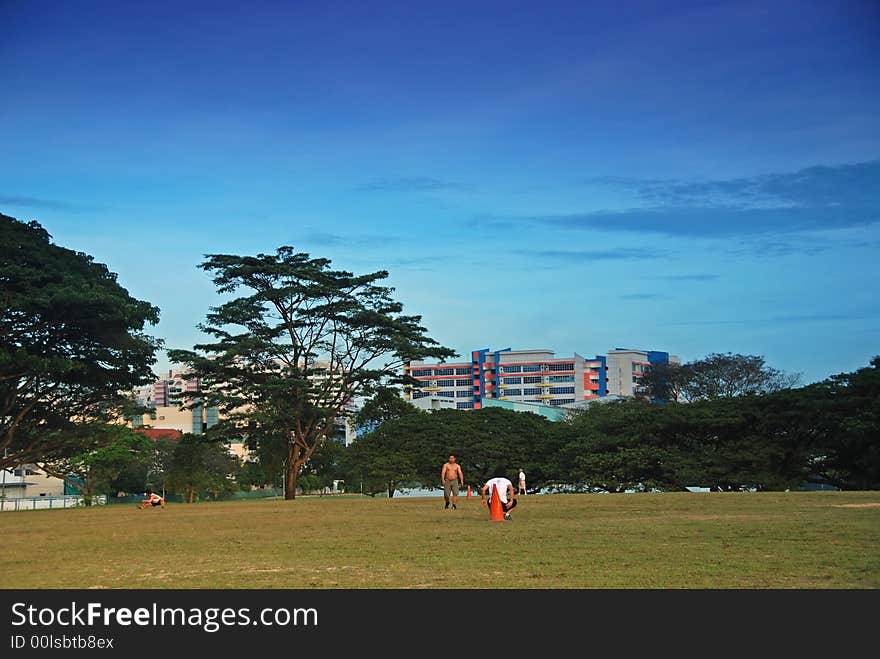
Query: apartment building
162	397
527	376
625	368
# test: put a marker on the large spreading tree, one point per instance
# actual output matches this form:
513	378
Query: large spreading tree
72	346
292	352
716	376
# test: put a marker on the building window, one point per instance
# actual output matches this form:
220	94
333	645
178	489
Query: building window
464	393
465	406
511	369
420	394
512	380
562	401
463	371
512	392
531	379
463	383
562	378
561	390
531	368
421	372
531	391
445	383
568	366
444	371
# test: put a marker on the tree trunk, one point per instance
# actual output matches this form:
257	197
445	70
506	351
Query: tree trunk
192	492
296	458
290	483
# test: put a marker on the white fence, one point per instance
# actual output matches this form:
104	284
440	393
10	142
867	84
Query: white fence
48	502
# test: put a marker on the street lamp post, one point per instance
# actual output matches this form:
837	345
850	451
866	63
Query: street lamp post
5	454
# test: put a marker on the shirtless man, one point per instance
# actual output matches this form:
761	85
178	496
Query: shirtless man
450	477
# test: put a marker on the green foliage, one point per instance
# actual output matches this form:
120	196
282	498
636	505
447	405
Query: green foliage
845	411
196	466
300	343
325	465
826	433
618	446
117	449
413	447
71	345
385	404
383	459
253	474
715	376
485	440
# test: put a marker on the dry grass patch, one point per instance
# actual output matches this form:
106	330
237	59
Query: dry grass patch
675	540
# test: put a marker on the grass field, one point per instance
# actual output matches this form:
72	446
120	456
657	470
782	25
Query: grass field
804	540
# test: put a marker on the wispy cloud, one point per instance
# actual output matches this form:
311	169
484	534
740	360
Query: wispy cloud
815	198
424	263
694	277
641	296
793	318
820	186
47	204
709	222
771	248
856	184
323	238
583	256
413	184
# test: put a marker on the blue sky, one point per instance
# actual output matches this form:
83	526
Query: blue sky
693	177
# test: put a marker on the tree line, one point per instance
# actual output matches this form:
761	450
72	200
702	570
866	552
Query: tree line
825	434
298	340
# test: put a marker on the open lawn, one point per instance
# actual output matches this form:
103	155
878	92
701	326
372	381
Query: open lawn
647	541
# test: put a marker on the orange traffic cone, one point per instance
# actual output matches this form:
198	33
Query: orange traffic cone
469	492
496	510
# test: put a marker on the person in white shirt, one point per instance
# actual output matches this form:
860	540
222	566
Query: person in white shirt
522	482
505	492
152	500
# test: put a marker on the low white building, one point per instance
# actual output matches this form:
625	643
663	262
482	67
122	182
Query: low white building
29	481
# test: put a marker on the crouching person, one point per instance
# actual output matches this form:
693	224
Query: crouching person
504	488
153	500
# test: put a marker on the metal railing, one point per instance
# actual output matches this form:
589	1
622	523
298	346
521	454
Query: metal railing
48	502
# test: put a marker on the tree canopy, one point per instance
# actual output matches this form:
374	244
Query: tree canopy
718	375
291	353
824	434
72	345
119	449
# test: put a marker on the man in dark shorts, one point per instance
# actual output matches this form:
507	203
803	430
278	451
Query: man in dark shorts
152	500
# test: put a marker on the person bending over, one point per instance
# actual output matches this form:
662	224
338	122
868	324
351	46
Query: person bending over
505	492
153	500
